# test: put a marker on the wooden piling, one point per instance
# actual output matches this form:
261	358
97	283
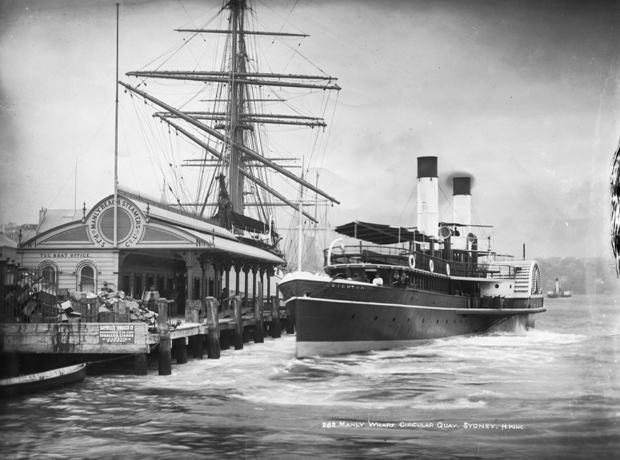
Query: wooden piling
213	327
225	340
259	336
274	328
140	361
164	357
245	335
195	345
192	311
180	347
238	331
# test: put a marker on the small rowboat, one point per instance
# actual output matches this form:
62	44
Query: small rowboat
42	381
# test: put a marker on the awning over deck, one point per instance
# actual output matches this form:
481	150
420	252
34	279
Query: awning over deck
379	233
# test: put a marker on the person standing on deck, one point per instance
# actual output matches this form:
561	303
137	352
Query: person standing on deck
404	280
377	281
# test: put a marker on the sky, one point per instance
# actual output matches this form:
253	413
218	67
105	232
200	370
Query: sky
522	95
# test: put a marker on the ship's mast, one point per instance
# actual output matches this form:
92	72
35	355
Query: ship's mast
235	181
234	125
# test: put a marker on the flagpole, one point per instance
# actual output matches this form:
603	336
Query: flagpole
116	141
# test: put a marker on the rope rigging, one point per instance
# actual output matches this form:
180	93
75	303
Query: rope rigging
246	135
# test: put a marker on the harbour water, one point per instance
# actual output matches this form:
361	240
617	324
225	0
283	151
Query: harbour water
553	392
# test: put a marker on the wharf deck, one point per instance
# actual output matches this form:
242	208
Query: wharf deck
104	338
177	336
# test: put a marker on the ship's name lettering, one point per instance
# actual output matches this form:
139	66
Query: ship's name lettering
61	255
347	286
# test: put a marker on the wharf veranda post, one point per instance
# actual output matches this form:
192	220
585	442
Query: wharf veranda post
185	258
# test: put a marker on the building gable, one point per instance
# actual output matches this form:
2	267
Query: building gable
73	235
158	235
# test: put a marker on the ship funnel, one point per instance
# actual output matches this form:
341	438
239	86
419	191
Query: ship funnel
461	201
428	196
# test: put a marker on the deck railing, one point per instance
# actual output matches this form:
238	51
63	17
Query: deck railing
369	254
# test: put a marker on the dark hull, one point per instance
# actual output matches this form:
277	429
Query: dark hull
364	292
43	381
333	318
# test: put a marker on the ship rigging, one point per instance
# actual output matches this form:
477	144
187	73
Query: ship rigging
229	118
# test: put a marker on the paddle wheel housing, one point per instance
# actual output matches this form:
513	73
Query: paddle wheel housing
527	280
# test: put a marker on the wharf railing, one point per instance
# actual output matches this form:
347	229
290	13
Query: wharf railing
380	255
24	293
27	297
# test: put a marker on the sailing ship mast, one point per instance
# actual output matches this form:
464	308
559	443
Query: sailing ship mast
235	122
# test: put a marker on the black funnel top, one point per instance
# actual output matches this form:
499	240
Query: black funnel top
427	167
461	186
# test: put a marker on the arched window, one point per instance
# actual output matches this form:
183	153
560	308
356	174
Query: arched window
49	272
87	279
49	275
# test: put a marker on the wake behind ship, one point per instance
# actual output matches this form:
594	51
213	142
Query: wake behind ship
399	286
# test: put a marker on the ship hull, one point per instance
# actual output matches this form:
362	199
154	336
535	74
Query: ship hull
333	317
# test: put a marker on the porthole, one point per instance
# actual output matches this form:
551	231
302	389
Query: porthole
376	317
393	319
496	286
352	316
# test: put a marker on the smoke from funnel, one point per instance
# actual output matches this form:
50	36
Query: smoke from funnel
449	180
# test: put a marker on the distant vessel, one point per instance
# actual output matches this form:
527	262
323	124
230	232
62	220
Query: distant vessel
411	284
558	292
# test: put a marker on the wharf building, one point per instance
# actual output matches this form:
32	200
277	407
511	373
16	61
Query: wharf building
186	258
